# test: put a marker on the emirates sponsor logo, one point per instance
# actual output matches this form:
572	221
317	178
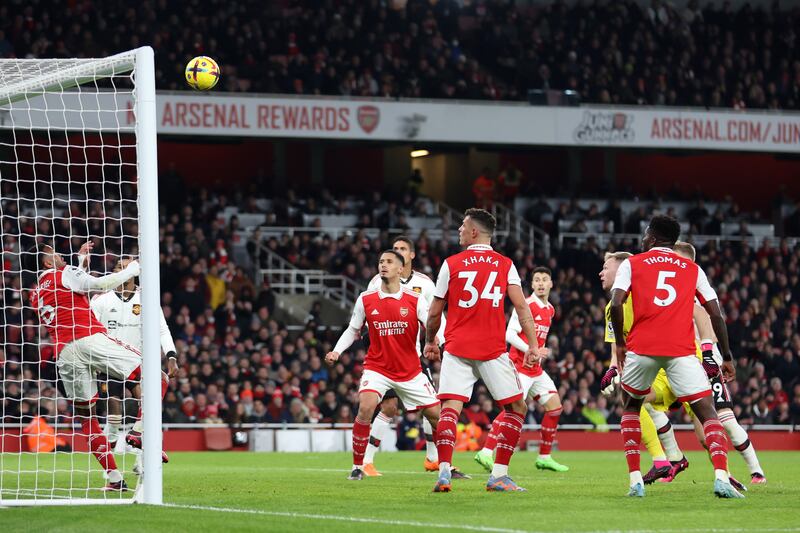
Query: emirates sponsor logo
386	328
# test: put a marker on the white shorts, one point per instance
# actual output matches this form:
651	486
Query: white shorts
686	375
458	375
541	388
81	360
416	393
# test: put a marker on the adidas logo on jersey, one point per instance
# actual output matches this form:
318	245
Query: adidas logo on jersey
538	317
374	312
113	310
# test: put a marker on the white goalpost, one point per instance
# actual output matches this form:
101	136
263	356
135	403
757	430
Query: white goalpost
78	163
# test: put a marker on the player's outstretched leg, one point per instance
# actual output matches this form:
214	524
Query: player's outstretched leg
676	458
134	436
98	444
380	428
716	443
741	441
549	427
485	457
446	431
510	429
661	466
431	453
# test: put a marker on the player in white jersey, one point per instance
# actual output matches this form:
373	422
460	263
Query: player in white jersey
712	361
120	312
424	286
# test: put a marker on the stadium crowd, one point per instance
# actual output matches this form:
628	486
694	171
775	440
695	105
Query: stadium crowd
608	52
238	364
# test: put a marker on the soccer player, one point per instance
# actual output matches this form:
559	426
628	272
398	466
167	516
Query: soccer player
393	314
722	397
535	381
474	284
422	285
82	345
656	428
663	286
120	311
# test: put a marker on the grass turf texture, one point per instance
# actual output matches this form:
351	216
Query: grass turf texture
279	492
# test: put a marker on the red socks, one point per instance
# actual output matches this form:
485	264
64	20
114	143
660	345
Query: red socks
508	437
632	437
446	434
549	426
360	441
491	438
164	387
717	444
98	443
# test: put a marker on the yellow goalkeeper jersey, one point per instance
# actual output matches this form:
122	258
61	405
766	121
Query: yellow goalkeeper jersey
627	311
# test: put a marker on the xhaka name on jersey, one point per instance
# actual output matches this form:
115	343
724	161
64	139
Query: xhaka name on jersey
471	260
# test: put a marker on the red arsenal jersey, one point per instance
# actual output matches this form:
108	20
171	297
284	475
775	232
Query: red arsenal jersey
475	282
664	286
543	314
393	326
66	314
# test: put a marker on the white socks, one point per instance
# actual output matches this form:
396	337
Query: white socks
499	470
112	427
636	477
667	438
430	444
740	440
444	467
722	475
114	476
380	427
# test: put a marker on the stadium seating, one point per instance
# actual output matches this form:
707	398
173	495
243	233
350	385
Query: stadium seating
614	52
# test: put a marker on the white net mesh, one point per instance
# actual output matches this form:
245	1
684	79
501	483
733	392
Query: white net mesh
68	176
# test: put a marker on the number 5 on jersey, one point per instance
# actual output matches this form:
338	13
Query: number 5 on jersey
489	292
662	285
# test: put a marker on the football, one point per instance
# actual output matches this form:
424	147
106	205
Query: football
202	73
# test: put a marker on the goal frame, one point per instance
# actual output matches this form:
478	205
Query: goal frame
141	61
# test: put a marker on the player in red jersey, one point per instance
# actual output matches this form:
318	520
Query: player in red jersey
663	286
474	284
393	315
82	345
535	381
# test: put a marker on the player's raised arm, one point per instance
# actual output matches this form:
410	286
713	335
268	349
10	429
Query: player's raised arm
350	334
80	281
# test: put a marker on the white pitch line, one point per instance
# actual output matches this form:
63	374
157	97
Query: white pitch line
486	529
342	518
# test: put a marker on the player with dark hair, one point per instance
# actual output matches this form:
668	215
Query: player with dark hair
422	285
393	314
535	381
82	345
664	286
474	284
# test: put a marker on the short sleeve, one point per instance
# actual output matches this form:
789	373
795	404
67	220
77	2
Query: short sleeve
442	281
623	279
704	291
609	329
513	322
374	283
513	275
422	310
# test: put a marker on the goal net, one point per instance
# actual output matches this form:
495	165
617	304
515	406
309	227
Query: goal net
77	165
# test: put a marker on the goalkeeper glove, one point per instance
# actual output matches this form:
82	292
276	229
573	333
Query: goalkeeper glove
609	382
709	364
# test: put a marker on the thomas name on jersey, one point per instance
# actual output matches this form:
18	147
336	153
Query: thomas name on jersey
665	259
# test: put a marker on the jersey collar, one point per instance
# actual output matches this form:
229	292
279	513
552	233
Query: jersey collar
539	300
661	249
396	296
408	279
483	247
128	299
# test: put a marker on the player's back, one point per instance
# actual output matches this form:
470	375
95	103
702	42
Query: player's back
663	286
66	314
477	280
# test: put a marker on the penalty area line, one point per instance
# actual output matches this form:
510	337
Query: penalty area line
343	518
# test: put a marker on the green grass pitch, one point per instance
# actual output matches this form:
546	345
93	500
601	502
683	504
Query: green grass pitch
309	492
